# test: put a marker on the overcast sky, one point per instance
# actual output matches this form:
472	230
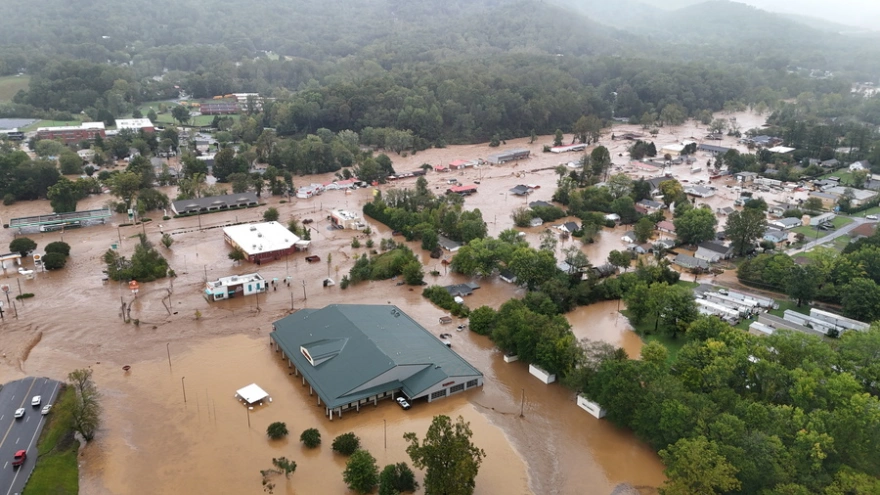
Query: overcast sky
862	13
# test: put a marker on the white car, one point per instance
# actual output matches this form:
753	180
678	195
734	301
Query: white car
46	409
19	413
36	400
871	217
403	403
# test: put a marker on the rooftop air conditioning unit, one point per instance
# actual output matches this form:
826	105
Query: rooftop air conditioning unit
253	228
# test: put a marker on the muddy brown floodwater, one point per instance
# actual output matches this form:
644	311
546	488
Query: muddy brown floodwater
151	441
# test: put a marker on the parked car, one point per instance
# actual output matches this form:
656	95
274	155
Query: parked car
46	409
403	403
18	458
36	400
871	217
19	413
313	259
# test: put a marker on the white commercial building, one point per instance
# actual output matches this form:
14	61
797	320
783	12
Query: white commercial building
235	285
263	241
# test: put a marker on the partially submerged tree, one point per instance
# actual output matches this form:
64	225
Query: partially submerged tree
361	472
446	444
277	430
86	408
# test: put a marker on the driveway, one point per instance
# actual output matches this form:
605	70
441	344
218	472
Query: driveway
22	433
857	221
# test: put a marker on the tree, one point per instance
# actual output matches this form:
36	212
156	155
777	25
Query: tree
446	444
58	247
558	137
271	215
644	228
277	430
619	185
70	163
85	409
803	283
397	478
54	261
745	227
125	186
859	177
706	327
696	226
22	245
671	190
240	182
861	300
167	240
413	273
361	472
152	115
346	443
311	438
673	114
180	113
237	254
695	466
813	205
63	196
620	259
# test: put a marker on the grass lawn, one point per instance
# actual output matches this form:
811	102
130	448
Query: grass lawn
786	304
810	232
57	471
643	329
165	118
844	175
10	85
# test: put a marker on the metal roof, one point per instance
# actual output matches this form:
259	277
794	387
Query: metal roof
363	350
215	202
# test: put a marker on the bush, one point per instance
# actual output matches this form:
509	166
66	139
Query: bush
397	478
355	243
441	297
277	430
8	199
54	261
271	215
58	247
346	444
23	245
26	295
311	438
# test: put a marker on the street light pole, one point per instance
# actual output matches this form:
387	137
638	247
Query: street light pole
183	384
168	350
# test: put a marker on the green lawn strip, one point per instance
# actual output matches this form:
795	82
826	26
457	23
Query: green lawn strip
10	85
844	175
56	470
643	329
840	221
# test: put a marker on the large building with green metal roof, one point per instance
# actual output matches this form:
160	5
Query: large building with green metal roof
357	354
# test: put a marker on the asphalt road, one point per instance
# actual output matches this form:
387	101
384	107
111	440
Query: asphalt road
22	433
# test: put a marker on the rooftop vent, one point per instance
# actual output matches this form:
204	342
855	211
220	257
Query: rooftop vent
253	228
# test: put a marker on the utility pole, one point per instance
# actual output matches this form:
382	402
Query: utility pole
522	403
168	350
22	299
304	291
183	384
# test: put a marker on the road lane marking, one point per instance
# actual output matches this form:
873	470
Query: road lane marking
16	440
26	450
3	441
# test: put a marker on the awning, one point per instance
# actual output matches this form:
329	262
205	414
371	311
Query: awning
252	393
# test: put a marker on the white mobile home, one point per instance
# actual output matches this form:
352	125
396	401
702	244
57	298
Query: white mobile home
235	285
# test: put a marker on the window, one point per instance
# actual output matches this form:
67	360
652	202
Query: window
456	388
471	383
438	394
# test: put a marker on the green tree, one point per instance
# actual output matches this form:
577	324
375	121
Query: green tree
620	259
54	261
63	196
706	327
70	163
413	273
58	247
655	353
672	191
696	226
180	113
346	443
277	430
558	137
240	182
361	472
644	228
271	214
311	438
813	205
745	227
446	444
600	159
125	186
532	267
22	245
167	240
695	466
802	284
85	410
396	479
237	254
861	300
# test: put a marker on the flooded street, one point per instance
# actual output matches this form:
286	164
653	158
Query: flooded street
152	441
